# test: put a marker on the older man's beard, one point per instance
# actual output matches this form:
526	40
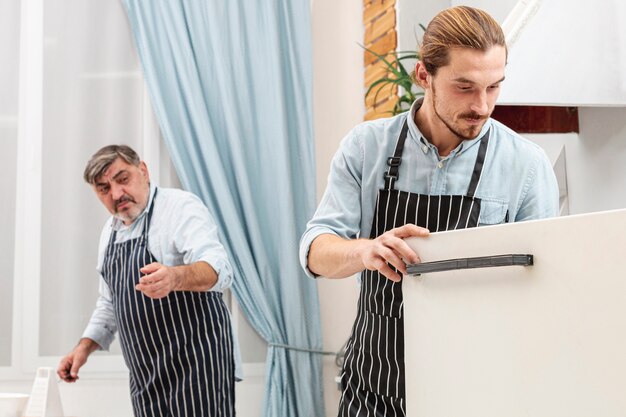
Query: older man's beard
129	214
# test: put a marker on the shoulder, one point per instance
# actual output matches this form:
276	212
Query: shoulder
512	146
376	132
506	137
175	196
371	140
173	201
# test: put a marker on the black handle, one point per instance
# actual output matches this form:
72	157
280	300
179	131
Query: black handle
469	263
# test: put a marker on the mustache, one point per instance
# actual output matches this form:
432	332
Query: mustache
123	199
474	115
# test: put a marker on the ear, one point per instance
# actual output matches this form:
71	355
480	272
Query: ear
422	77
144	170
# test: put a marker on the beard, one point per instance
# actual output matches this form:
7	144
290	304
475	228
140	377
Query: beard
463	133
127	214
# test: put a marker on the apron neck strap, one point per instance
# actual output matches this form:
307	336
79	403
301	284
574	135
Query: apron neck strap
146	224
478	166
391	176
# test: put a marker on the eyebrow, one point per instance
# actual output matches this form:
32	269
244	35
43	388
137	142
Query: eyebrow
465	80
99	184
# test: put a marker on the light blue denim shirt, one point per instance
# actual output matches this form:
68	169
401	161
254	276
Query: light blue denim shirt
517	177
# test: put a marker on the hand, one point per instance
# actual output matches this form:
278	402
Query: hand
390	248
70	364
159	280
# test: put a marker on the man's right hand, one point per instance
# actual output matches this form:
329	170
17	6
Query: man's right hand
70	364
390	248
335	257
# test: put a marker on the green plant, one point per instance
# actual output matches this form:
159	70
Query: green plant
396	74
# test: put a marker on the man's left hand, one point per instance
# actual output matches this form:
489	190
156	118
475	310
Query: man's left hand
158	281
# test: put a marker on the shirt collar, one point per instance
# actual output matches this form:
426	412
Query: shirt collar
417	136
118	224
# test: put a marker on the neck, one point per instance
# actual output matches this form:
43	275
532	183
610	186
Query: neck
434	130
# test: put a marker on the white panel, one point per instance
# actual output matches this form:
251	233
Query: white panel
92	97
9	56
571	52
543	340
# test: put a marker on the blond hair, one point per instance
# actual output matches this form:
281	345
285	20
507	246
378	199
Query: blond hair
458	27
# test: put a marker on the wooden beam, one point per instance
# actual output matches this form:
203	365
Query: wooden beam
377	8
380	26
538	119
383	45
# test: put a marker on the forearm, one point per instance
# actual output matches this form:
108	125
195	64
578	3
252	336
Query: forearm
87	345
199	276
335	257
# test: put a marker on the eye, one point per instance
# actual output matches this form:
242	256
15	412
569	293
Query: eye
103	189
123	180
494	87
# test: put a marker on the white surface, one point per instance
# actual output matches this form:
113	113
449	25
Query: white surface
44	400
12	404
572	52
545	340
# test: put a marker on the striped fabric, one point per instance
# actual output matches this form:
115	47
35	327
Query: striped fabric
373	374
178	348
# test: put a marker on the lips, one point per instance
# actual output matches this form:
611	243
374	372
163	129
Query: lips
474	121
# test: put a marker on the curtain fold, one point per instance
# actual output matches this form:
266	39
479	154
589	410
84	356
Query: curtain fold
230	83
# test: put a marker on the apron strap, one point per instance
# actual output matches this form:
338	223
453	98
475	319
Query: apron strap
394	161
478	166
146	223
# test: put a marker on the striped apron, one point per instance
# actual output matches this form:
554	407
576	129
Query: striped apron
179	348
373	374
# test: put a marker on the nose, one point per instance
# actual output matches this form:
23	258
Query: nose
117	191
480	104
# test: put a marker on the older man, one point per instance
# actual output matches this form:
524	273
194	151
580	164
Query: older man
444	165
162	270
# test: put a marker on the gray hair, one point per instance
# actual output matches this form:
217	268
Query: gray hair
103	159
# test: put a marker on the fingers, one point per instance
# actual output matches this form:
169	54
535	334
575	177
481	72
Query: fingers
150	268
385	270
410	230
68	368
63	369
390	250
155	284
73	377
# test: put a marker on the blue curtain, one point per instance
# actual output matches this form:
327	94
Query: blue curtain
230	82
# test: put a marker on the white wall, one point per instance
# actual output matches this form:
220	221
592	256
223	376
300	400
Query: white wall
338	106
596	173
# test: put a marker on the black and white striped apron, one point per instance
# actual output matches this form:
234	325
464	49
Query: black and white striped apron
373	375
179	348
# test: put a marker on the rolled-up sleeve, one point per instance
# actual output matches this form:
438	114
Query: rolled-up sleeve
101	327
339	211
196	237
